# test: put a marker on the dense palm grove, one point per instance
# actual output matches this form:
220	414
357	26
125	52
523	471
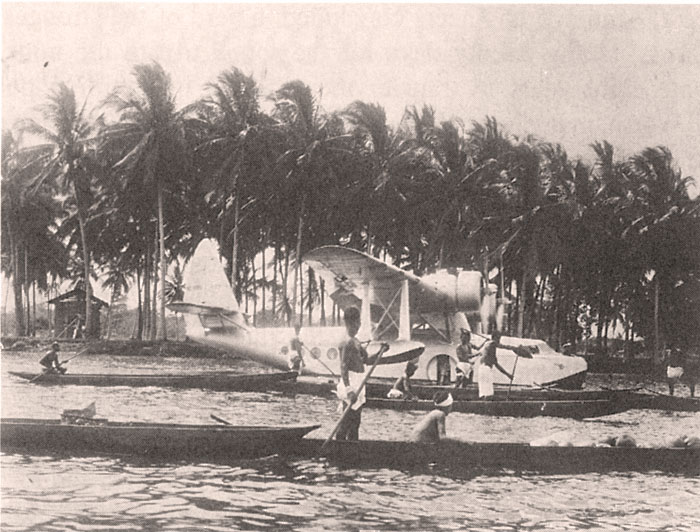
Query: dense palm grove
124	198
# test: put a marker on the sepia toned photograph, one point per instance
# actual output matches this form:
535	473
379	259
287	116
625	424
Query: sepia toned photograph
350	267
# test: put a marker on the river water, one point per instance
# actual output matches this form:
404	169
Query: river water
44	493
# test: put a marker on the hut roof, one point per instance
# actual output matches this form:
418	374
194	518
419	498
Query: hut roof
76	295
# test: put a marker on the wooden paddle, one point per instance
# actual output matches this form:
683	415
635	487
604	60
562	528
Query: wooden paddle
519	351
60	364
220	419
319	359
378	356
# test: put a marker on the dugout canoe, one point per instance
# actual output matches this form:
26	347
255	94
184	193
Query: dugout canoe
218	381
659	401
453	457
150	440
425	390
570	409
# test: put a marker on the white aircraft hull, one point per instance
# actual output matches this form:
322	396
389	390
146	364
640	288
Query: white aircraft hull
321	354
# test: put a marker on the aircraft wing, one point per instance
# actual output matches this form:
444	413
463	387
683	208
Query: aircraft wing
348	270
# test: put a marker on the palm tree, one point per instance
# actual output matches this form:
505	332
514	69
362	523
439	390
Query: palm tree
659	204
152	134
68	160
117	282
233	146
315	142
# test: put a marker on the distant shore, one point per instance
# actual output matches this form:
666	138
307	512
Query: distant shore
121	347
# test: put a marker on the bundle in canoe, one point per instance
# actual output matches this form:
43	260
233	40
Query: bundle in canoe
219	380
152	440
571	409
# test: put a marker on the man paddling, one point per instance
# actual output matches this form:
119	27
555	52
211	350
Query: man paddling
50	361
431	428
353	358
487	363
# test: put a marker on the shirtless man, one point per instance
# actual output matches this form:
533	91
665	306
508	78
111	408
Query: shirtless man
487	363
431	428
353	358
465	366
402	387
50	361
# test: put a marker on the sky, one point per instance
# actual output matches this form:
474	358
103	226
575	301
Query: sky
564	73
568	74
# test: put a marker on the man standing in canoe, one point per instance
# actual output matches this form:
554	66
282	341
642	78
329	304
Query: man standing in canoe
431	428
296	360
50	361
487	363
353	358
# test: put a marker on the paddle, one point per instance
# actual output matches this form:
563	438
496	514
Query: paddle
382	350
519	351
220	419
60	364
319	359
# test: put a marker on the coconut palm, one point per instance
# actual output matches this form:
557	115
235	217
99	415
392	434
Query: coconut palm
67	160
151	133
315	143
233	150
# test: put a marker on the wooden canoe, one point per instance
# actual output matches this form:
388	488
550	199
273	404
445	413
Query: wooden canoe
452	457
378	389
152	440
571	409
220	381
225	444
425	390
659	401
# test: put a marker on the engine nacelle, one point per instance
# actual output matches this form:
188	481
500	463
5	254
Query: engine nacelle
460	292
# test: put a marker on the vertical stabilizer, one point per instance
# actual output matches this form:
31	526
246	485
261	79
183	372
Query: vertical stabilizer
205	280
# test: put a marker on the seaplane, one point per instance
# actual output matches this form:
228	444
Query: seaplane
420	317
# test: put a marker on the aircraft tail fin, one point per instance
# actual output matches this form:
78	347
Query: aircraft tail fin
205	280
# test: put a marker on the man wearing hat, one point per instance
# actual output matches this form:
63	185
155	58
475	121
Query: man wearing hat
431	428
402	387
50	361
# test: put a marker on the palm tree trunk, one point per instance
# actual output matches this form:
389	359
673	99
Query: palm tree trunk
163	334
275	264
154	299
139	331
89	332
234	252
17	287
297	270
287	309
26	291
147	291
657	342
264	277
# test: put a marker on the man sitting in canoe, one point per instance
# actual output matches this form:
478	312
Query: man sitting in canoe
487	363
431	428
402	387
50	361
465	366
